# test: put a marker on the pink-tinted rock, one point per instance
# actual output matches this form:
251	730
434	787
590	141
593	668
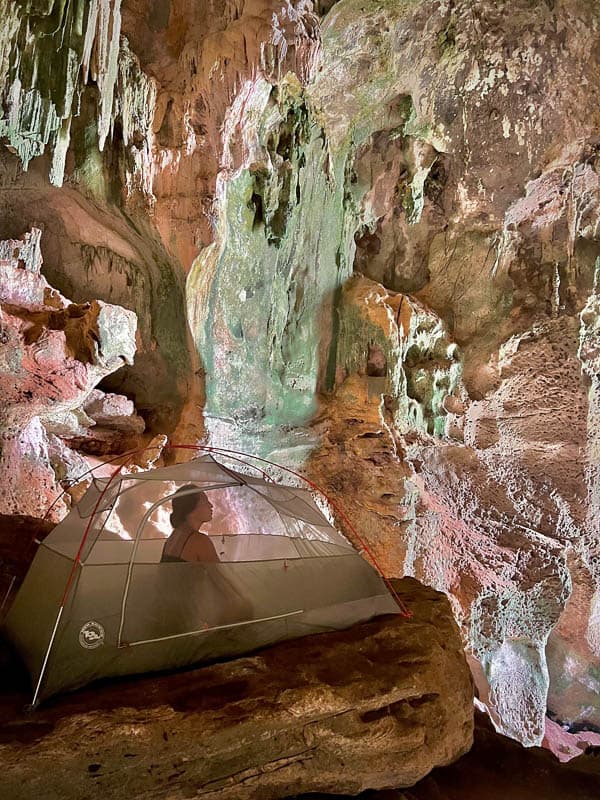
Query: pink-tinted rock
113	411
21	281
567	746
28	481
52	354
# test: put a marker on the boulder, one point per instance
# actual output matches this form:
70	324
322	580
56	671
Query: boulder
376	706
496	768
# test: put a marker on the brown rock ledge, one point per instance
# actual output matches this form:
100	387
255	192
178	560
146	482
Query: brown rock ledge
375	706
498	768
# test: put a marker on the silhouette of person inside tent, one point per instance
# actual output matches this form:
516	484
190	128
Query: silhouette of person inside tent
191	510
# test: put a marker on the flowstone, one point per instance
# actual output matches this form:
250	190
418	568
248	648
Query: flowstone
260	297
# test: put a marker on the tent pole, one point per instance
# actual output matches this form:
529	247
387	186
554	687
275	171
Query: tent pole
76	563
8	591
43	670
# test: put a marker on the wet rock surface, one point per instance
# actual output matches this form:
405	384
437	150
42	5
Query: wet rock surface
346	711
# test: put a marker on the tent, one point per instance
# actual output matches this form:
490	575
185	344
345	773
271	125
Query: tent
98	601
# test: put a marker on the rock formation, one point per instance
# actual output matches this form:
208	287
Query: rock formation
342	711
495	768
361	237
52	354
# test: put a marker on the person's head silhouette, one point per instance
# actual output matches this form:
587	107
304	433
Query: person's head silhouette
192	506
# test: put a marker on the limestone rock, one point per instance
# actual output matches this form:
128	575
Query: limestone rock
269	149
106	423
52	354
378	705
113	411
491	220
496	768
21	281
29	485
567	745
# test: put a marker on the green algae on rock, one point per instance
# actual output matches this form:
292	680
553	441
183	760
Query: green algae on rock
261	297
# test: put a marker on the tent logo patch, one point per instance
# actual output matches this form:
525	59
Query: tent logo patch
91	635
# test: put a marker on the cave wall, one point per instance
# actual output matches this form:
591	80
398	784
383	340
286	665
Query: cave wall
364	237
78	164
499	241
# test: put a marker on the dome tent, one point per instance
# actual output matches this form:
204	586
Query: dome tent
98	601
